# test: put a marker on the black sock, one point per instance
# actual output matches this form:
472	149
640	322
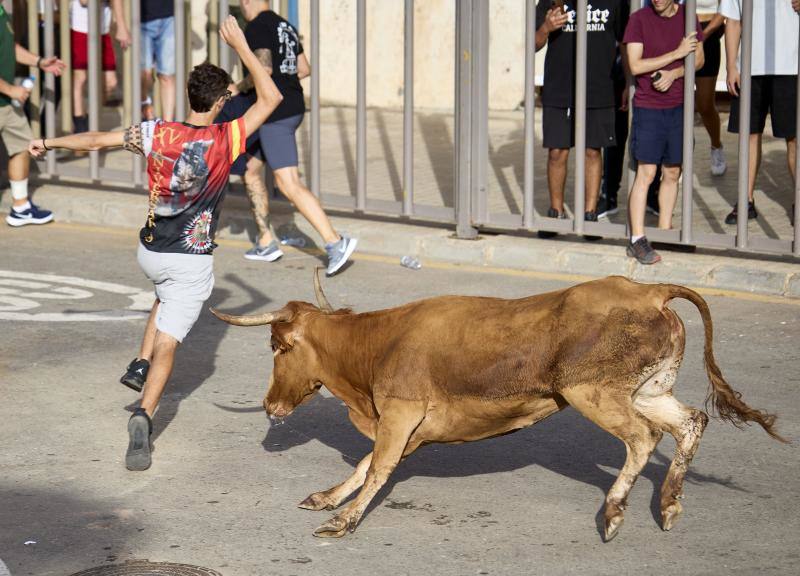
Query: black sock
81	124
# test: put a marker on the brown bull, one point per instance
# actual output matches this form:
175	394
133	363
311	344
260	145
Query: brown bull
457	368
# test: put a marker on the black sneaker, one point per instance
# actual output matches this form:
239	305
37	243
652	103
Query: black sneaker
733	217
140	428
643	252
551	213
606	206
591	217
136	374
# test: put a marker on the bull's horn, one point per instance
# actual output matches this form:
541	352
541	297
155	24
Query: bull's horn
255	320
321	300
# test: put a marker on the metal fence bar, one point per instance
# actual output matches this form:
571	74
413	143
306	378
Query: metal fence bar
480	111
213	36
361	105
580	115
631	171
530	112
796	207
315	127
463	119
136	79
224	49
94	47
408	110
690	9
49	84
744	121
180	60
66	57
33	45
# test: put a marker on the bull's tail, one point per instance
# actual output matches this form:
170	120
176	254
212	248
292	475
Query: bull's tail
726	401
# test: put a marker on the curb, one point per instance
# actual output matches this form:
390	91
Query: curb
127	209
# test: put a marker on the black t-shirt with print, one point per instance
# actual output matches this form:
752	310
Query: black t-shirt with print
156	9
606	21
268	30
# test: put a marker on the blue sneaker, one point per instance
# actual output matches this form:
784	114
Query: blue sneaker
268	253
32	215
339	252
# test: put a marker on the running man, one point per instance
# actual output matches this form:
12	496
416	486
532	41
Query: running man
274	41
188	165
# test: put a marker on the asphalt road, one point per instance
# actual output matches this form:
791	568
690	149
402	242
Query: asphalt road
223	488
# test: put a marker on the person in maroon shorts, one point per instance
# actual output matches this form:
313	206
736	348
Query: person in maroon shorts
79	28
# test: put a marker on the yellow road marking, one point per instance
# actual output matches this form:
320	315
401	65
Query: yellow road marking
439	265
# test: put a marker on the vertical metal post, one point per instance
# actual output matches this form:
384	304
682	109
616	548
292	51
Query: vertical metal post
480	110
744	120
796	208
463	119
293	16
33	45
635	5
127	77
408	111
66	77
530	112
361	105
49	84
580	115
315	127
224	49
94	47
213	36
690	10
180	60
136	79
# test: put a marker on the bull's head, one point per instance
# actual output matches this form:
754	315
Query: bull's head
298	371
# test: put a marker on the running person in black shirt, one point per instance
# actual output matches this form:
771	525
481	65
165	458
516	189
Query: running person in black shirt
275	43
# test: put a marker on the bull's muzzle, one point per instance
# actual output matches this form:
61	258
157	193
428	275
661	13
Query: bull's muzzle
276	409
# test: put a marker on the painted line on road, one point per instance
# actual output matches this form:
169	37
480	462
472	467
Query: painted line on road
440	265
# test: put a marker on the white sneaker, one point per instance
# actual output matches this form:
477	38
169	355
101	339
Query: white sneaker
718	165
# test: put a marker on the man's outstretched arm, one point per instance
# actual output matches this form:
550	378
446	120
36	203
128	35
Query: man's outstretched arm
86	141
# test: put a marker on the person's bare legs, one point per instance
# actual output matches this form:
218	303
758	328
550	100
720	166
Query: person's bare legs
667	195
164	348
109	84
791	155
78	88
19	166
637	201
557	176
755	164
706	105
593	174
147	86
149	338
288	181
259	199
167	86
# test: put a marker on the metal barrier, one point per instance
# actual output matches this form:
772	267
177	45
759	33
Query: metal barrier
471	210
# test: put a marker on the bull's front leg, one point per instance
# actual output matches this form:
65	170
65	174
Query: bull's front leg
331	498
398	420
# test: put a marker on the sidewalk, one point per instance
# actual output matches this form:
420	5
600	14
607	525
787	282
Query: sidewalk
391	238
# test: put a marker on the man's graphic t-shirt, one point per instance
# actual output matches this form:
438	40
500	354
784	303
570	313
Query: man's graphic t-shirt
268	30
188	168
605	25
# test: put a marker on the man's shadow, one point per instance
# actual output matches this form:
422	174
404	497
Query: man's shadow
566	443
195	360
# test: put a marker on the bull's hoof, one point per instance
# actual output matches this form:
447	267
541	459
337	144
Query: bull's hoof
613	525
670	514
336	527
316	501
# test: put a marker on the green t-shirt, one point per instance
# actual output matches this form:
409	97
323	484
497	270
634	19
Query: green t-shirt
8	57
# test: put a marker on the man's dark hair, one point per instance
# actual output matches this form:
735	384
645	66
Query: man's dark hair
207	83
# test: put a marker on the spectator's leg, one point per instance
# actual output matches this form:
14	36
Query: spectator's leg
288	181
110	84
594	170
755	164
706	105
18	170
259	199
645	173
557	176
667	195
791	155
167	84
79	118
147	86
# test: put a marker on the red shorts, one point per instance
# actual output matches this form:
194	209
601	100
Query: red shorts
80	58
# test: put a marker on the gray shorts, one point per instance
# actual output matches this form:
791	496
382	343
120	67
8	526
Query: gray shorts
183	282
278	143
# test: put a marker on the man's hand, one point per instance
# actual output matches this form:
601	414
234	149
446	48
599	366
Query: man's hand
36	148
19	93
232	34
733	81
667	78
52	65
123	37
687	45
555	19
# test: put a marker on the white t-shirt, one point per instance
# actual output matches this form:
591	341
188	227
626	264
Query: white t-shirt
79	17
775	35
707	6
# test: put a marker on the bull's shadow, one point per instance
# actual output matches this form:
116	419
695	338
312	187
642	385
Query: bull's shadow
566	443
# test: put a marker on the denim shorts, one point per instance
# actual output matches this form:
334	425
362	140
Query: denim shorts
158	44
657	135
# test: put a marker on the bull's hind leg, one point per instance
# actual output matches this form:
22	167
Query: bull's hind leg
686	424
614	413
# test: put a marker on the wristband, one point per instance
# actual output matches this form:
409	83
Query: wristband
44	144
39	62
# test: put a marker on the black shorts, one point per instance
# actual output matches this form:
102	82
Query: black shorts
773	95
558	127
711	49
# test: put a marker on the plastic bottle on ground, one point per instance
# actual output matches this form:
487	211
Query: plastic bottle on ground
410	262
